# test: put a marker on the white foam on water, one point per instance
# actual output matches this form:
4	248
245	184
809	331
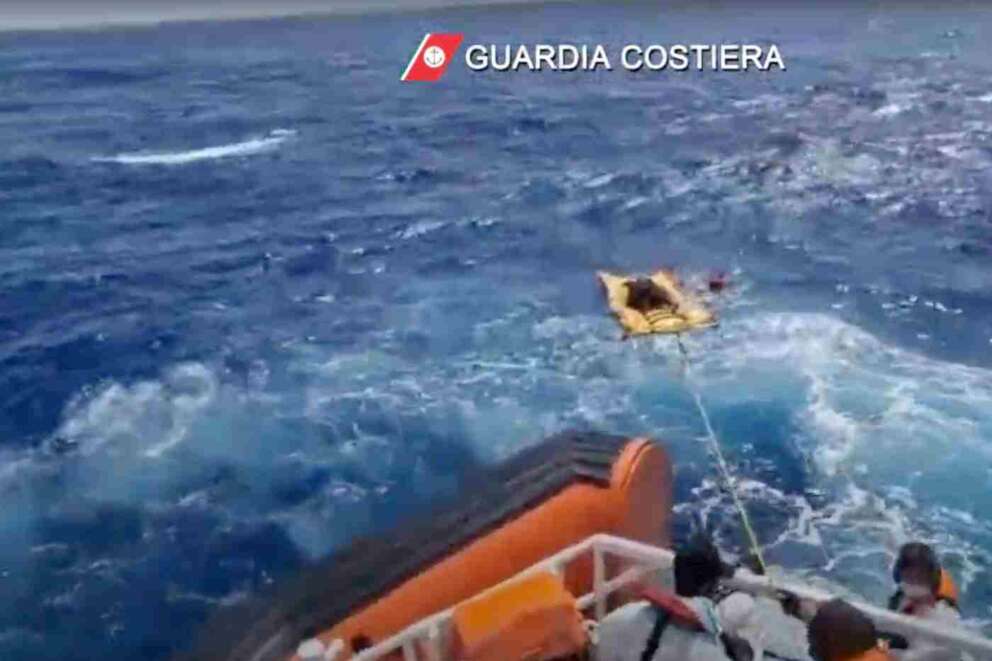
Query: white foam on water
890	110
899	441
420	229
762	102
601	180
149	444
887	433
147	418
881	427
246	148
864	398
825	160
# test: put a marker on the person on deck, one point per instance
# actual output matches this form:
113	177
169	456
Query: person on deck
702	623
840	632
925	590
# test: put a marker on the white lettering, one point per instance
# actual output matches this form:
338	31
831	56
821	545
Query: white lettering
522	59
679	57
634	57
729	58
774	58
599	58
656	57
631	65
476	57
544	56
751	57
494	59
565	64
698	51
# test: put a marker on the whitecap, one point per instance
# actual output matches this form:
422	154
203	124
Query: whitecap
420	229
147	418
600	181
245	148
890	110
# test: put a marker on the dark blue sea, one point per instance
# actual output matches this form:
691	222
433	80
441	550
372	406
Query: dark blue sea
258	297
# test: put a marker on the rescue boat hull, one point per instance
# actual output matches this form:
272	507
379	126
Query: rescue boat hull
547	498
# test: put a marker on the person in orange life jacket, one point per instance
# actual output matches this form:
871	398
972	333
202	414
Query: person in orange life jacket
698	623
925	588
840	632
927	591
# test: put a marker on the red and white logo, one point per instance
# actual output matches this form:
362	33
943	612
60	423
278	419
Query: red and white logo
433	56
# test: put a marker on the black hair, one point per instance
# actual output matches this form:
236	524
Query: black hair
644	295
916	554
840	631
697	567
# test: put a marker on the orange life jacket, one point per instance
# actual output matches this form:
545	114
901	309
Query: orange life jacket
876	654
948	590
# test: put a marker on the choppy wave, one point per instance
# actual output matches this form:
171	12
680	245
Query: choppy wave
256	364
883	430
850	468
860	408
246	148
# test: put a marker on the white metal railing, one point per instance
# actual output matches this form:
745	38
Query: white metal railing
426	635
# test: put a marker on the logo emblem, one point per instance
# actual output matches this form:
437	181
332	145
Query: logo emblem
432	57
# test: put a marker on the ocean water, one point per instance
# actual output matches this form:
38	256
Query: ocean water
258	297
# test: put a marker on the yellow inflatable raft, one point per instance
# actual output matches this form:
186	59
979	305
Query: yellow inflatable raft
671	311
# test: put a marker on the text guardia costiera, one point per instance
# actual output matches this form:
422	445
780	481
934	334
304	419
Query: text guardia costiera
632	57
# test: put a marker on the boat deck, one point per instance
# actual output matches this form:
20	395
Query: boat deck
423	641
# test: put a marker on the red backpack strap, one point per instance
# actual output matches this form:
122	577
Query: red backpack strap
681	614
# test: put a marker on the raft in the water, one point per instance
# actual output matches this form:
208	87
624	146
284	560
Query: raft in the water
548	497
674	310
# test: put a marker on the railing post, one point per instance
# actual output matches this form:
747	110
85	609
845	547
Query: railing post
311	650
599	581
434	642
334	650
645	559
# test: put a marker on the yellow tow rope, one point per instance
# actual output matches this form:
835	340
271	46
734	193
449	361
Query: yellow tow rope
728	478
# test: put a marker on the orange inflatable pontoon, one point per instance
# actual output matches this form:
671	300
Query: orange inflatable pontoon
547	498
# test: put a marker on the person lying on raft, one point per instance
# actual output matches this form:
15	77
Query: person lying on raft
644	295
701	622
